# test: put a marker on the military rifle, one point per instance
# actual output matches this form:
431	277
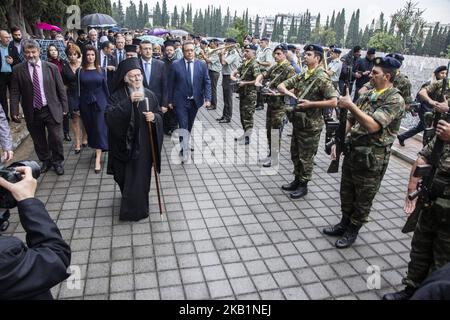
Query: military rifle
427	172
340	130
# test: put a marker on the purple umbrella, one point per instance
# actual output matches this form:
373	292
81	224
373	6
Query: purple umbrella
46	26
159	32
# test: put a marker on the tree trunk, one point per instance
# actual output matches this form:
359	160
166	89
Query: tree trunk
14	14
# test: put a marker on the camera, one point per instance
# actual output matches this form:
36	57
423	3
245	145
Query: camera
10	174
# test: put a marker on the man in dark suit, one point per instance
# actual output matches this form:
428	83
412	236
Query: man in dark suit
189	89
93	39
154	76
119	53
108	63
81	40
39	87
16	46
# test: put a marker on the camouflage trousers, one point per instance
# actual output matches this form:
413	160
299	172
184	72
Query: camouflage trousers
304	145
247	106
430	245
360	181
274	119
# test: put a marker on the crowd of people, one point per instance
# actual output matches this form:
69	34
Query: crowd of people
121	91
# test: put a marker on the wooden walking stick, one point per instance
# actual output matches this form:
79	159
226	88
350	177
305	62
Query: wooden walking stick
153	151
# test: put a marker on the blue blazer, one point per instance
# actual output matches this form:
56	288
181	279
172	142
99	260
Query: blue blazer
158	81
178	83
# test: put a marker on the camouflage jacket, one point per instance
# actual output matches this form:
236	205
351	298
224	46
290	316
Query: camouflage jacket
387	109
322	89
442	176
278	73
248	71
435	91
402	83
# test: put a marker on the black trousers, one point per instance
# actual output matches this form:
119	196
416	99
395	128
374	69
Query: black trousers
170	121
417	129
48	145
214	76
227	98
5	84
66	126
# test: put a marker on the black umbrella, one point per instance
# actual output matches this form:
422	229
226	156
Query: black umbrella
97	20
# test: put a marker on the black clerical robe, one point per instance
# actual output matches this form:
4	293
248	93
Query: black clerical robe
130	154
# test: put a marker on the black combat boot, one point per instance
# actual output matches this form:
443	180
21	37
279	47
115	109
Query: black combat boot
339	229
349	236
405	294
301	191
291	186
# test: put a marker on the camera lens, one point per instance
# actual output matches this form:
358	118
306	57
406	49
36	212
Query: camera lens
35	168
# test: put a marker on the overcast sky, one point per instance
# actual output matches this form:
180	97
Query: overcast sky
436	10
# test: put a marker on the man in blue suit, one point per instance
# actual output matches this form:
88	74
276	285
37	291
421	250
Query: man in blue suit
154	73
189	89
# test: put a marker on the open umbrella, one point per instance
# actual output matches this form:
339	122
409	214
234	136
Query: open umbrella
46	26
152	39
179	33
98	20
159	32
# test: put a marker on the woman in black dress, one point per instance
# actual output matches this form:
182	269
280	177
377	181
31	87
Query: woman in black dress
93	101
70	72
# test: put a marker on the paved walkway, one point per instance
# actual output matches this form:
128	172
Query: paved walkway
230	232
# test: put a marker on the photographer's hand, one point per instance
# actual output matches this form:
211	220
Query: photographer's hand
24	189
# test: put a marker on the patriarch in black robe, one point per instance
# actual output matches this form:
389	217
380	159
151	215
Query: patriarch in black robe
130	156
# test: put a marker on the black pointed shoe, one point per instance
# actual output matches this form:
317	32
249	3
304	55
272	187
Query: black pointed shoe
349	237
291	186
59	169
45	166
301	191
405	294
339	229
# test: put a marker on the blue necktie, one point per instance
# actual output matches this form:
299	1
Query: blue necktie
190	87
120	56
104	62
147	72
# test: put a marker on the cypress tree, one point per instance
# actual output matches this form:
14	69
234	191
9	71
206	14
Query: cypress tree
349	39
157	16
257	31
333	20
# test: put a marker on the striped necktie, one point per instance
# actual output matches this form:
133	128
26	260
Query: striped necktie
37	97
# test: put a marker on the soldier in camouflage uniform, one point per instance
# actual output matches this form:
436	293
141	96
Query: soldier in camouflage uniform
433	95
276	110
373	125
430	245
246	75
313	91
401	82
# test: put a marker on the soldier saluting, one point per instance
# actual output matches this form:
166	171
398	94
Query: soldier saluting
276	111
372	126
314	92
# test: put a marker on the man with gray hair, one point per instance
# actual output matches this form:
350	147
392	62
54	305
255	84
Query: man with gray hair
40	88
93	39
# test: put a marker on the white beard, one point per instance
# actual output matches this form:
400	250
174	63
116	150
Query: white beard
140	89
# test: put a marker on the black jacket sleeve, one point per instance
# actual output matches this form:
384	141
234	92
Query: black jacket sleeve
32	270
